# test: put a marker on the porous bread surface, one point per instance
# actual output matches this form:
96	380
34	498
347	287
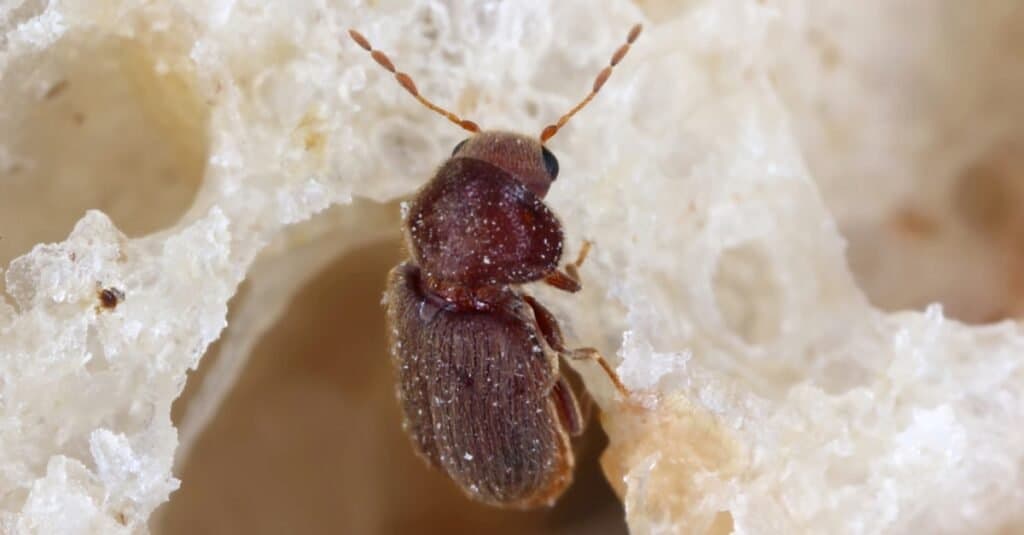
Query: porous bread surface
739	162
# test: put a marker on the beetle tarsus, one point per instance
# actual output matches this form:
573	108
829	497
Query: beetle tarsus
552	333
563	281
589	353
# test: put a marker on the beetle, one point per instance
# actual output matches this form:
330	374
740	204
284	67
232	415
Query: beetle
109	297
477	358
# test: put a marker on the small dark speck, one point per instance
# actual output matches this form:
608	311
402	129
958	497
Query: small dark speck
531	108
56	90
110	297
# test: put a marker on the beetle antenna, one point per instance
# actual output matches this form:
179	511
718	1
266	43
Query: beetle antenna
602	77
406	82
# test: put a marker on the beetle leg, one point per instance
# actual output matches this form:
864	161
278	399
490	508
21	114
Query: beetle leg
548	325
586	404
583	399
573	268
589	353
569	280
563	281
568	408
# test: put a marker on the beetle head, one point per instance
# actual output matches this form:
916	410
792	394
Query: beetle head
522	157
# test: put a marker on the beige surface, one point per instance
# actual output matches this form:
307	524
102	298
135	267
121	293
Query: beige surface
95	126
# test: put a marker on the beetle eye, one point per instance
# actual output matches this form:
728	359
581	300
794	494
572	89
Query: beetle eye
459	146
550	162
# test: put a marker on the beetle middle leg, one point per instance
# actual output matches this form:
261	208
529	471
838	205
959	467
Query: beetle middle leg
568	407
579	390
569	280
548	325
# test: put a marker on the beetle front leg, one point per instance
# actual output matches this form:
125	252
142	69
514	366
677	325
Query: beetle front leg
569	280
552	333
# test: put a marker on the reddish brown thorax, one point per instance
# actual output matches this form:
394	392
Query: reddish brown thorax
480	224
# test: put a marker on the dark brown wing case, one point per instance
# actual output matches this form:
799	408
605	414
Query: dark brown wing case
476	389
475	224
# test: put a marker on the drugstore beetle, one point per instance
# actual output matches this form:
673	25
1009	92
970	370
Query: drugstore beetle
477	358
